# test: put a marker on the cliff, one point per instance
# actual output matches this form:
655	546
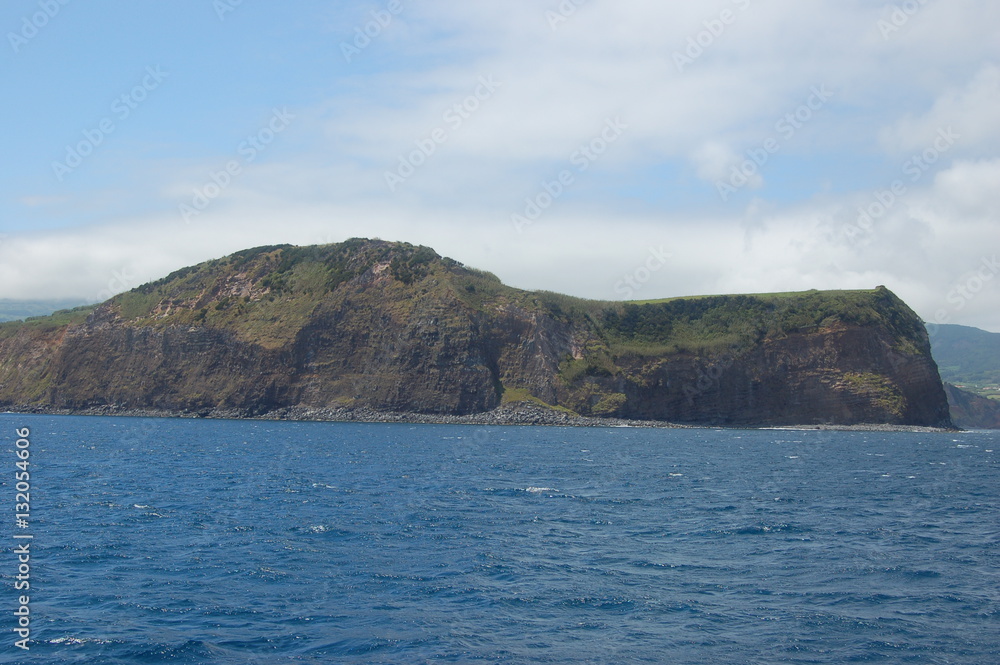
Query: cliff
972	411
394	327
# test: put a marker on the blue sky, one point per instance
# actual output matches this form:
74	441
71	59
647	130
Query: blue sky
739	137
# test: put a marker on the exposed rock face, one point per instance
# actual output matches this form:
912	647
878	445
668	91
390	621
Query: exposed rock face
838	376
972	411
369	324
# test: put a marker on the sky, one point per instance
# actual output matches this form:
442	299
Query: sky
611	149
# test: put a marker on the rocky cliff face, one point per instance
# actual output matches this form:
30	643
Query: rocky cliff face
972	411
389	326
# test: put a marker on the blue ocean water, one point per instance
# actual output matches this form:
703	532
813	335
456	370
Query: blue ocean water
243	542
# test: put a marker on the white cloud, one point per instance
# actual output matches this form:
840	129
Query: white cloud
970	187
972	111
558	87
714	162
929	242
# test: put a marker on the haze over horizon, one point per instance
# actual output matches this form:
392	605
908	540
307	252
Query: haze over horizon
626	150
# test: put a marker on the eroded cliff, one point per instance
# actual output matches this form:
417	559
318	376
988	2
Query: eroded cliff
393	327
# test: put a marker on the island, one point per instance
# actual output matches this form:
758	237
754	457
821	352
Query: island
370	329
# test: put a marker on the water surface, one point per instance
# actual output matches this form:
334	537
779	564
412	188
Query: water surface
235	542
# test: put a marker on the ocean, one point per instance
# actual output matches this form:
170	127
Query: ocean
244	542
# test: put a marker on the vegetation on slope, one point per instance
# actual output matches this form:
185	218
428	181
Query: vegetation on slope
264	293
49	323
275	297
969	358
16	310
708	323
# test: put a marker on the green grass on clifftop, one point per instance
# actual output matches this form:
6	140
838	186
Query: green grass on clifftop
265	295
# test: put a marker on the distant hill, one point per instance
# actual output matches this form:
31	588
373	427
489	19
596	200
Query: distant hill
972	411
13	310
968	357
391	327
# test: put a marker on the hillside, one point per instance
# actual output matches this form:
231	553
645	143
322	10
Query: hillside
969	358
972	411
13	310
397	328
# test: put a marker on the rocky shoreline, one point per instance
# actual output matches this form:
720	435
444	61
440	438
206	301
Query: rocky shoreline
518	413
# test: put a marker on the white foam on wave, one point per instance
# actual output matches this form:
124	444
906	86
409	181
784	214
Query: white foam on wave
538	490
74	641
